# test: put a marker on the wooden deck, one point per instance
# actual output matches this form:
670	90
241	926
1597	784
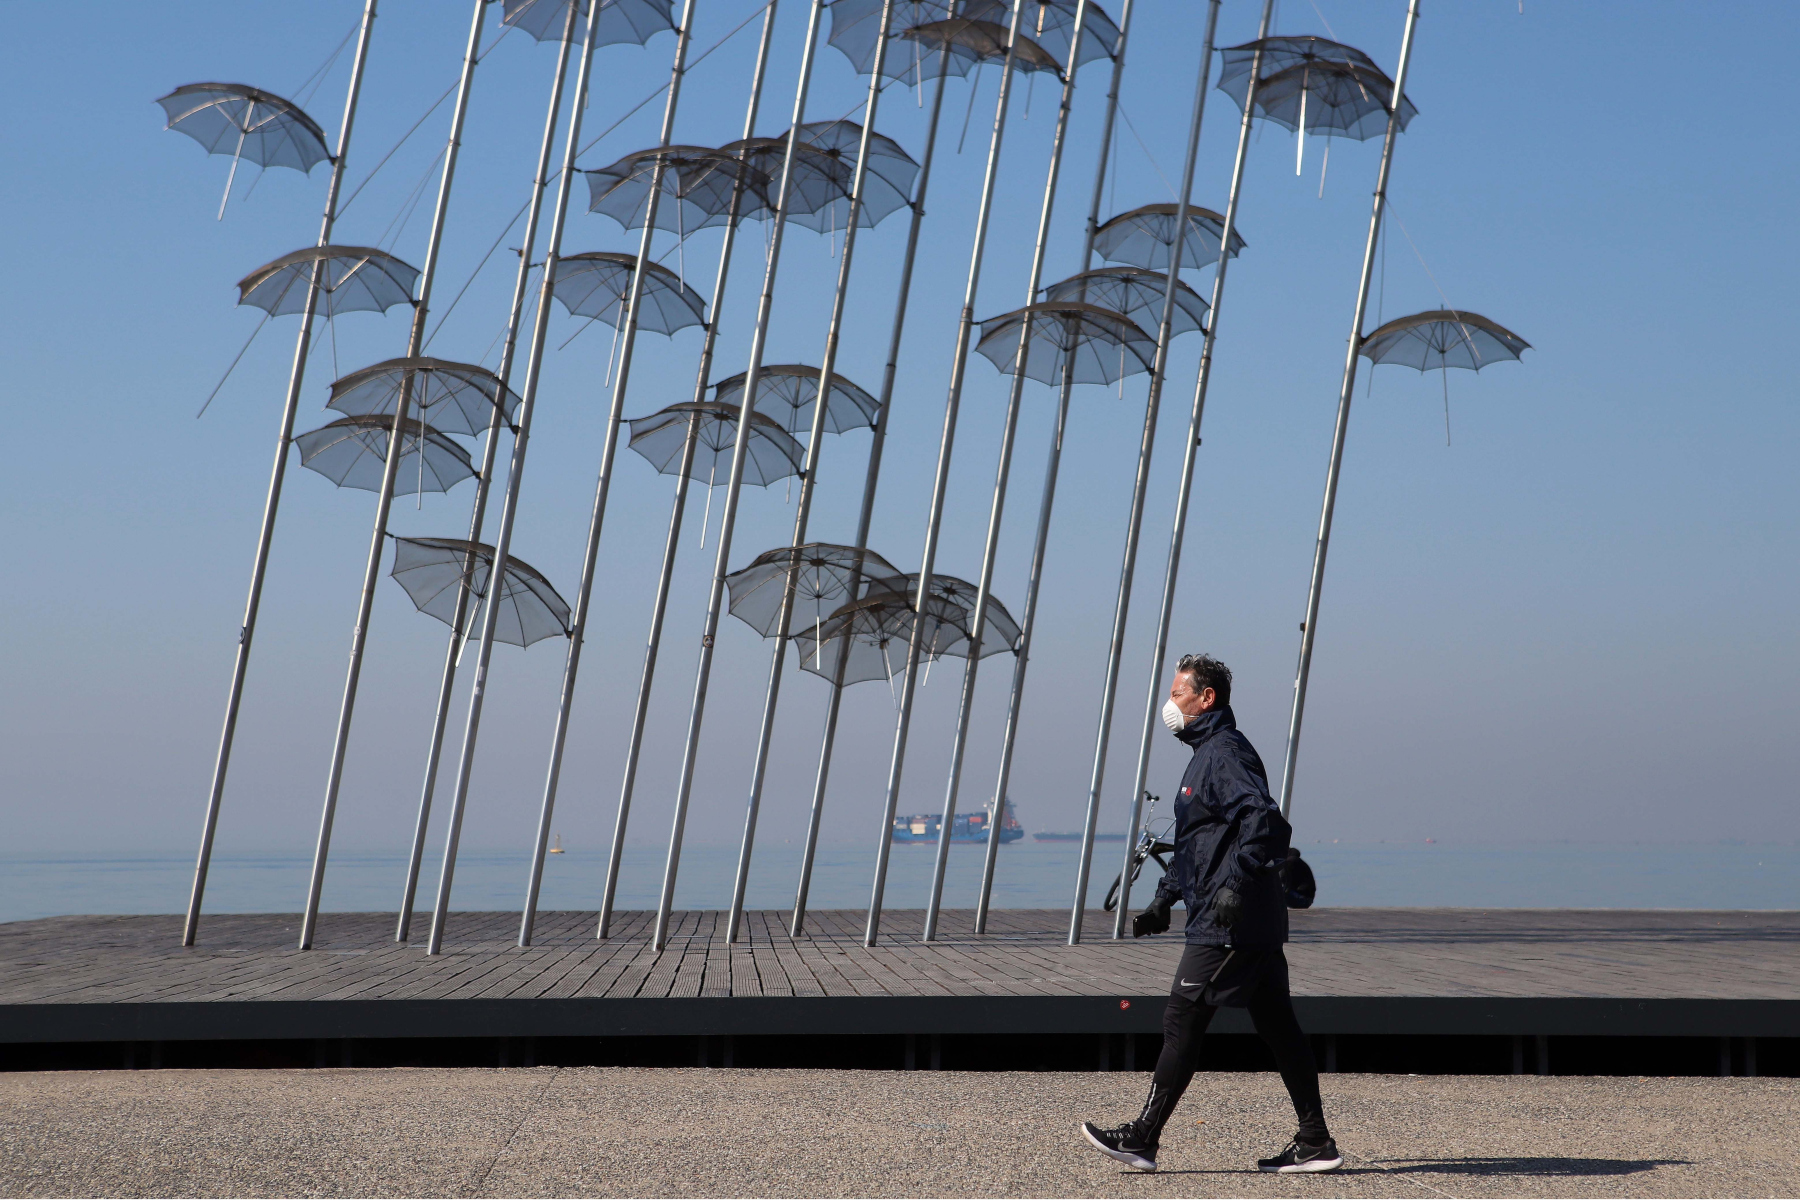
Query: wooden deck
1354	971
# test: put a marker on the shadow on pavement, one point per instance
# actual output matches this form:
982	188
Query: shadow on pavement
1527	1166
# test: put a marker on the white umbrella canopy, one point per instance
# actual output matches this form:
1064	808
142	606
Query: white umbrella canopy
238	120
597	284
662	437
352	279
456	397
1145	237
697	187
1134	293
1084	342
622	22
1443	338
352	452
870	638
786	392
823	575
433	569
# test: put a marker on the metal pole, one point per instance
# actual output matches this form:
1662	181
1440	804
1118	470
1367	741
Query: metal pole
1173	567
808	476
509	506
702	380
1002	474
1152	408
608	449
940	484
483	481
266	534
385	498
1309	627
734	485
871	477
1028	618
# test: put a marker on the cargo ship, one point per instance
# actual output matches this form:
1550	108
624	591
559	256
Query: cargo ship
965	827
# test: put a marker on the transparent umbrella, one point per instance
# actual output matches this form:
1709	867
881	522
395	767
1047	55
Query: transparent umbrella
456	397
662	436
1087	343
824	576
246	122
1135	293
818	179
597	284
1145	237
786	392
1278	54
999	630
697	186
1049	24
1441	339
1331	98
868	638
355	279
351	452
940	44
887	185
622	22
433	569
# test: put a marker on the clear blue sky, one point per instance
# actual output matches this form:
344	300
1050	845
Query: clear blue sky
1575	621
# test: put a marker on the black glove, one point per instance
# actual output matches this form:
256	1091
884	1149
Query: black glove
1227	909
1154	919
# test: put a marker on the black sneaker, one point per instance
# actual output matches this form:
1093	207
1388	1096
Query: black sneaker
1122	1144
1300	1159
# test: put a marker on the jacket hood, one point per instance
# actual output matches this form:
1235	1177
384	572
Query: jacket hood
1202	728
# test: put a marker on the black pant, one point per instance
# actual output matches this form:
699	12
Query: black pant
1255	978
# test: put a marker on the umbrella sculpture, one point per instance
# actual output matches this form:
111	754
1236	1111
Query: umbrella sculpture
1144	237
533	210
1133	293
598	285
942	43
787	392
354	279
698	188
869	638
1051	24
823	574
999	631
887	187
246	122
433	569
741	200
622	22
1172	566
1439	340
459	397
1087	343
352	450
937	46
662	438
1346	392
258	573
871	164
1312	84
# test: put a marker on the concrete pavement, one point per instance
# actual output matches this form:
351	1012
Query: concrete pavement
644	1132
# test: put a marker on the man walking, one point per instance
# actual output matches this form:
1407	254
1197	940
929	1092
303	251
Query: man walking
1230	844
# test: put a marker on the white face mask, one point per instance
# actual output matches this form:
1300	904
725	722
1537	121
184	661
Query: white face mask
1173	717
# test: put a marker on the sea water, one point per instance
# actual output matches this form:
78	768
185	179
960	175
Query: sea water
1030	875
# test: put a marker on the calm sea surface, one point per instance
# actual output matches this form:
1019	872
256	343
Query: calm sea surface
1031	875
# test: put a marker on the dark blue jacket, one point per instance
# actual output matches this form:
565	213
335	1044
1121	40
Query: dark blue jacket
1228	833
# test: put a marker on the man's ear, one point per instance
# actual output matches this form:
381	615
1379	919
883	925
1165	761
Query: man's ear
1208	698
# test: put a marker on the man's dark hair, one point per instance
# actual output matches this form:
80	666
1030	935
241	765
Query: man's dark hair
1207	672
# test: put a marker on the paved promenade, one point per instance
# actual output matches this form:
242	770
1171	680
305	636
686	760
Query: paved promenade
637	1132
